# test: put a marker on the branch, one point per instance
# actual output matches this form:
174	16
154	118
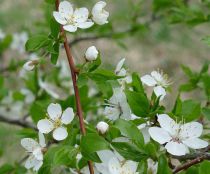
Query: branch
18	122
74	73
195	159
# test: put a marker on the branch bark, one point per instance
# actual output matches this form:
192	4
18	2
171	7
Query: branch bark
17	122
74	73
195	159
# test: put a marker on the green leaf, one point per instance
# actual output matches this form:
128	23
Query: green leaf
18	96
136	83
163	165
129	151
55	54
5	43
54	26
26	132
38	111
36	42
138	102
6	168
128	129
206	112
93	65
190	110
82	80
91	138
204	167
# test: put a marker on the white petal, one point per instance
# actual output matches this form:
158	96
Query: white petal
119	65
67	116
81	15
114	166
38	154
177	149
168	124
29	144
65	9
37	165
148	80
42	140
59	18
195	143
30	162
29	66
54	110
45	126
111	113
70	28
160	91
60	133
105	155
157	76
130	167
159	135
85	25
191	130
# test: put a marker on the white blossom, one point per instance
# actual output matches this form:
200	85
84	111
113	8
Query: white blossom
99	15
117	106
113	163
102	127
152	166
19	41
72	19
177	137
56	122
35	150
29	96
121	71
159	81
91	53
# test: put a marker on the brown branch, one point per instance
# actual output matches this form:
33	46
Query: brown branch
17	122
74	79
195	159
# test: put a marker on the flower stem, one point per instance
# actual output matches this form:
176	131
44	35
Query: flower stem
74	73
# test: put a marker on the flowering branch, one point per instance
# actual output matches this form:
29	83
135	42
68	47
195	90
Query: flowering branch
17	122
74	79
195	159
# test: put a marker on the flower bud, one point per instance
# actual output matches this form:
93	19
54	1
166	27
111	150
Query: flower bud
30	65
91	53
102	127
99	14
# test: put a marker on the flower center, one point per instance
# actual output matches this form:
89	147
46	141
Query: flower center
71	19
57	123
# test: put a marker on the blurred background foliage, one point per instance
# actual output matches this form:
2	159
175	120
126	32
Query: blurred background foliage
150	34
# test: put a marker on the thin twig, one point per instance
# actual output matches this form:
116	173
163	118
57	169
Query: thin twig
17	122
196	158
74	79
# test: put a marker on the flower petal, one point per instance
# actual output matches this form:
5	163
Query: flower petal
30	162
61	20
42	140
67	116
177	149
54	110
37	165
148	80
28	66
160	91
114	166
157	76
65	9
159	135
29	144
81	15
85	25
111	113
60	133
195	143
130	166
191	130
119	66
168	124
38	154
70	28
45	126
